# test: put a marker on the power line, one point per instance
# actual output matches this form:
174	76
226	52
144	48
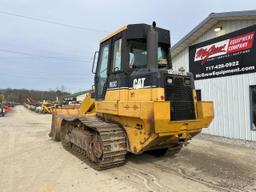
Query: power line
52	22
30	57
41	56
25	57
50	73
48	60
71	79
62	53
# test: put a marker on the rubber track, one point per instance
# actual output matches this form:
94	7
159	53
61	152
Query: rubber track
113	140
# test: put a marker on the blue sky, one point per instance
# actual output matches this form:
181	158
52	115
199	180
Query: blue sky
41	55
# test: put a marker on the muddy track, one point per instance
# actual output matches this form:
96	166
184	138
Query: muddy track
192	175
181	172
149	180
112	141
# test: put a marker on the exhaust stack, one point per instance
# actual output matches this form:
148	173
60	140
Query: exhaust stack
152	46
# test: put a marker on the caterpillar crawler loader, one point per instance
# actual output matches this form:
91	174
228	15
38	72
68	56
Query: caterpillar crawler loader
139	103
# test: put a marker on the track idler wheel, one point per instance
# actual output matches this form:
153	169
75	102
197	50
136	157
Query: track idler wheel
95	151
64	136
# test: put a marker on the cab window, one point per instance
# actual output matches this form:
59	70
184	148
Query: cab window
102	69
117	55
162	56
138	54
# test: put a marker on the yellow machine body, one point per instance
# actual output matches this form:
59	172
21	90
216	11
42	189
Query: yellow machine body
87	107
143	114
139	103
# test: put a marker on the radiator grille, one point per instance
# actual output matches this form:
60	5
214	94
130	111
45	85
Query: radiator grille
181	97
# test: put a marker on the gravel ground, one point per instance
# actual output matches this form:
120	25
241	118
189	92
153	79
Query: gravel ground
234	142
31	162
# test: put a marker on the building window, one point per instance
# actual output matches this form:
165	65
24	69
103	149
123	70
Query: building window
198	95
253	106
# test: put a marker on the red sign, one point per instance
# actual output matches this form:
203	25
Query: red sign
230	54
240	43
235	44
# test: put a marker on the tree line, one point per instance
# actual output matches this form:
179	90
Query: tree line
21	95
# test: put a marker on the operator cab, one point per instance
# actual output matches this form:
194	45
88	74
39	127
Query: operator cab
137	56
124	52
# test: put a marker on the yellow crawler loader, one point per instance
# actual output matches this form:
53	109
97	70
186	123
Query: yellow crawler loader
138	104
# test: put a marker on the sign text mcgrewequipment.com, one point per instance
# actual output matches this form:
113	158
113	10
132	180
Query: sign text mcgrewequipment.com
231	54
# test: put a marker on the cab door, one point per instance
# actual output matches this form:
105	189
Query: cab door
118	78
102	70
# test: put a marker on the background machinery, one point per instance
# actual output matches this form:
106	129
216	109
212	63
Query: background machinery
44	107
139	103
2	110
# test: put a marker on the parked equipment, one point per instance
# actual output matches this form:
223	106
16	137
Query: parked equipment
139	103
2	111
44	107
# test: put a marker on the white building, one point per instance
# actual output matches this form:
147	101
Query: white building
221	53
75	98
